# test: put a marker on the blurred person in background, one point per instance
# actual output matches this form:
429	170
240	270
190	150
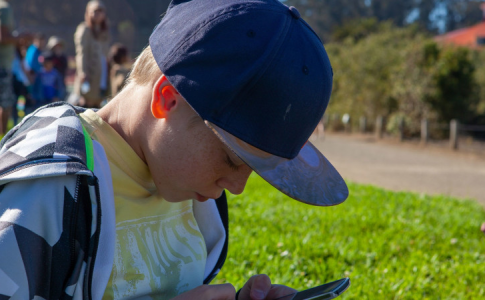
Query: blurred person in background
21	79
91	40
48	84
119	62
33	66
55	51
33	57
7	55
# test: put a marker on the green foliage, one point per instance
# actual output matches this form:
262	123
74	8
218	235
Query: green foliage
394	123
455	88
400	71
373	75
393	245
430	55
480	78
357	29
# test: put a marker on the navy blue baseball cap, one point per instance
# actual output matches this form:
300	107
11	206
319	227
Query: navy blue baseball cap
260	78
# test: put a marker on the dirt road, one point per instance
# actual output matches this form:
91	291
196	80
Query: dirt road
405	167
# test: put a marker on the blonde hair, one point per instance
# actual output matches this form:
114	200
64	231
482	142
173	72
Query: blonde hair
145	70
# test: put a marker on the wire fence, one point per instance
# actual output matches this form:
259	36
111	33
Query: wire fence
455	134
472	128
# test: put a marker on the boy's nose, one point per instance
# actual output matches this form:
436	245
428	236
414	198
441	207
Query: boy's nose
236	181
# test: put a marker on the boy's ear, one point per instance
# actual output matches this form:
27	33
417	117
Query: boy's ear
165	98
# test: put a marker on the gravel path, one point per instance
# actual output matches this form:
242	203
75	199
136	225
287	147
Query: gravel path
405	167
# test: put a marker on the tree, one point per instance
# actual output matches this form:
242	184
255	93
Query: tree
401	73
456	93
433	15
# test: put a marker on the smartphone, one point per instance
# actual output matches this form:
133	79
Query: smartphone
326	291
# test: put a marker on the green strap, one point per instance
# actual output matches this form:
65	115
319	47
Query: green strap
89	150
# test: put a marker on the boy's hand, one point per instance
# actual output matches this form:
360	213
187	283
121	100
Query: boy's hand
259	287
210	292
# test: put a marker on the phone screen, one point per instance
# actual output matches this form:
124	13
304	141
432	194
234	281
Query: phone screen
326	291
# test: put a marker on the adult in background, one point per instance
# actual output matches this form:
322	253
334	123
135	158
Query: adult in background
55	52
7	55
21	78
91	39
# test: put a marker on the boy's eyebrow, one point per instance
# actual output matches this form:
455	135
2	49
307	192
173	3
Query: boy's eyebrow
230	163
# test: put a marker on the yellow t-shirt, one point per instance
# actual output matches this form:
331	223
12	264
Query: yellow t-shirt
159	251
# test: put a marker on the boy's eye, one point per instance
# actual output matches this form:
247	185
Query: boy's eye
231	164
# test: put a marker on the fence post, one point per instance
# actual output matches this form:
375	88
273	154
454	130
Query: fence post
379	127
424	131
325	120
454	126
363	124
335	121
346	120
401	129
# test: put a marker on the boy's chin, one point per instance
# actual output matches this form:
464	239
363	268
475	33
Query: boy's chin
175	199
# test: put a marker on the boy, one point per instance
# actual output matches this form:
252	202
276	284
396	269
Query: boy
55	51
48	84
101	204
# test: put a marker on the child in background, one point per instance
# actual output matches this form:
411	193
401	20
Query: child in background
33	57
55	51
48	84
119	67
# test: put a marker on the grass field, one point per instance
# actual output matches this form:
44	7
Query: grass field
392	245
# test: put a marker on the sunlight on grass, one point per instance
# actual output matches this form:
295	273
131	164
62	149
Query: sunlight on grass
9	126
393	245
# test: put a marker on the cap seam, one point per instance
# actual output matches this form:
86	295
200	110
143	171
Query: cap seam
263	69
309	27
323	108
208	22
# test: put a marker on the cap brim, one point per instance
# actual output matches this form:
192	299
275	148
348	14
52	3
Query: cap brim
309	178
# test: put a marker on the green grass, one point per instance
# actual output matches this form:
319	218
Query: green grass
9	126
393	245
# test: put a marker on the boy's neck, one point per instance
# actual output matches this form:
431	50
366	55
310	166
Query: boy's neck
127	112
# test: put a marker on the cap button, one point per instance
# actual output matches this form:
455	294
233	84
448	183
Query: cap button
294	12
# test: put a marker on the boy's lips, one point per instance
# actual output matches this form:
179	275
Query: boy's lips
201	198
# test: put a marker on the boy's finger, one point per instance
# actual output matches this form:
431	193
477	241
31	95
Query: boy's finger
210	292
256	288
222	292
